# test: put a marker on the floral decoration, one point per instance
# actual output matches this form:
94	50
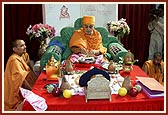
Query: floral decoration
118	28
41	31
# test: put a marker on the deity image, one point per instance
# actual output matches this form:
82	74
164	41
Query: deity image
64	12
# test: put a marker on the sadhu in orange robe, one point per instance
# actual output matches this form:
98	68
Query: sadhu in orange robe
156	74
89	42
15	73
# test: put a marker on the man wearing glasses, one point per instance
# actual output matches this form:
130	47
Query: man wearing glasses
87	40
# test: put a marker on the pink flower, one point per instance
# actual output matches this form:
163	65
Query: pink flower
41	31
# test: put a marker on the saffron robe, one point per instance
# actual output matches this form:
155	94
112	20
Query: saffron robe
156	74
16	72
89	42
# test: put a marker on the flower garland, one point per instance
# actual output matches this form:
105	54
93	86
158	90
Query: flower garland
118	28
41	31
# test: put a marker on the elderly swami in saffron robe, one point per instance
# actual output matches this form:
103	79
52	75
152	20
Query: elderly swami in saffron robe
87	42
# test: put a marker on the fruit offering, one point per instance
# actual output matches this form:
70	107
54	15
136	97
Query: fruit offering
138	87
67	93
133	92
54	84
50	87
122	91
56	92
127	83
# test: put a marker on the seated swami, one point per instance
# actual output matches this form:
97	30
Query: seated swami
87	41
17	74
155	67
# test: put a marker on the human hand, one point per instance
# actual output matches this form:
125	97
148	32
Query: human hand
155	17
84	51
96	52
93	53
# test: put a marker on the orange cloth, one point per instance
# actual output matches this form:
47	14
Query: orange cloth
15	73
26	58
89	20
151	71
89	42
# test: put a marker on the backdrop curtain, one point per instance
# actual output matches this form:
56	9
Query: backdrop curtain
137	17
17	18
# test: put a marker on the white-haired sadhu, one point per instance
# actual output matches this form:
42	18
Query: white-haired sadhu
87	40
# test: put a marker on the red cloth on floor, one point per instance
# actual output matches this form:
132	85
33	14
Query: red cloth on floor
77	103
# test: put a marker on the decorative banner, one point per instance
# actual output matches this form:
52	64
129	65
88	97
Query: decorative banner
64	15
102	12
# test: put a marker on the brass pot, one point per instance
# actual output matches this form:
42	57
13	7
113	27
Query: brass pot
127	68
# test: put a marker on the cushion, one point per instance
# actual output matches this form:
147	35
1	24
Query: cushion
87	76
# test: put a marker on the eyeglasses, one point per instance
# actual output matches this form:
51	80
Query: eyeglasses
88	26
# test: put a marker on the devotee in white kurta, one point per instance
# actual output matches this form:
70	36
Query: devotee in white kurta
156	28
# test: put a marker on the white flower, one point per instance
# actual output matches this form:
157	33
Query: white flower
118	27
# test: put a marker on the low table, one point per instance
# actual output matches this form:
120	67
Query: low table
77	102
